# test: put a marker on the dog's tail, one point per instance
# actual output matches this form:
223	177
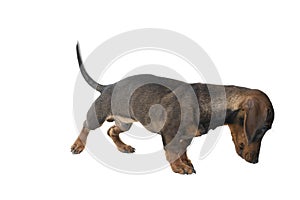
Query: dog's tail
85	75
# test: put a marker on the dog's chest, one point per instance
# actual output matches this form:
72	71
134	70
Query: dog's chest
212	105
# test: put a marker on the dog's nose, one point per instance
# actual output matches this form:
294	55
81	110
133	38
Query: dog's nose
251	157
255	159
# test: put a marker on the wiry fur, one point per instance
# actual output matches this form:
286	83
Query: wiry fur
248	113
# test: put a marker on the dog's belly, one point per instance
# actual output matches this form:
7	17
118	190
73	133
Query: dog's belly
125	120
156	123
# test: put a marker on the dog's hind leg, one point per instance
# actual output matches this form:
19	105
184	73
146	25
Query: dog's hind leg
80	142
95	118
114	132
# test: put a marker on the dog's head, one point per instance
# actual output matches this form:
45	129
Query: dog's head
251	121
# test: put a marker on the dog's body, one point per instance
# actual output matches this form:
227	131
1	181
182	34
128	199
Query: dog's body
178	112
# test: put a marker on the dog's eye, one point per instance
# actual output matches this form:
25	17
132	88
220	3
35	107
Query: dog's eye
260	133
241	146
264	128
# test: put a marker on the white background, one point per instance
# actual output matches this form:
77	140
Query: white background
254	44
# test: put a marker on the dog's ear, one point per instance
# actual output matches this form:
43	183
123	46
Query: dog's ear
254	117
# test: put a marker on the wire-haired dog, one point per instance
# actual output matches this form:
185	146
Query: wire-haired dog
178	111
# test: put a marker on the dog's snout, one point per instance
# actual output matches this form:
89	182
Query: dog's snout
241	148
255	160
251	157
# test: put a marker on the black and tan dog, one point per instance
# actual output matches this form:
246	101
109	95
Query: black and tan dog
169	108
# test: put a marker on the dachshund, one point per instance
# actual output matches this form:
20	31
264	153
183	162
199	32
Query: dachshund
178	111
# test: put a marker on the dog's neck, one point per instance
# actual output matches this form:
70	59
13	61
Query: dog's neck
217	103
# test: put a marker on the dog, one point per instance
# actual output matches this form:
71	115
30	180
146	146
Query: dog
178	111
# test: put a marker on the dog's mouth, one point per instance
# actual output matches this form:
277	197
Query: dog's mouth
251	157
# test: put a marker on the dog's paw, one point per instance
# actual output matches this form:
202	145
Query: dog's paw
189	163
77	147
182	168
126	149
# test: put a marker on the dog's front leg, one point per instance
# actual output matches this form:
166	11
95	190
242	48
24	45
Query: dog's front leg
184	158
175	150
179	163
